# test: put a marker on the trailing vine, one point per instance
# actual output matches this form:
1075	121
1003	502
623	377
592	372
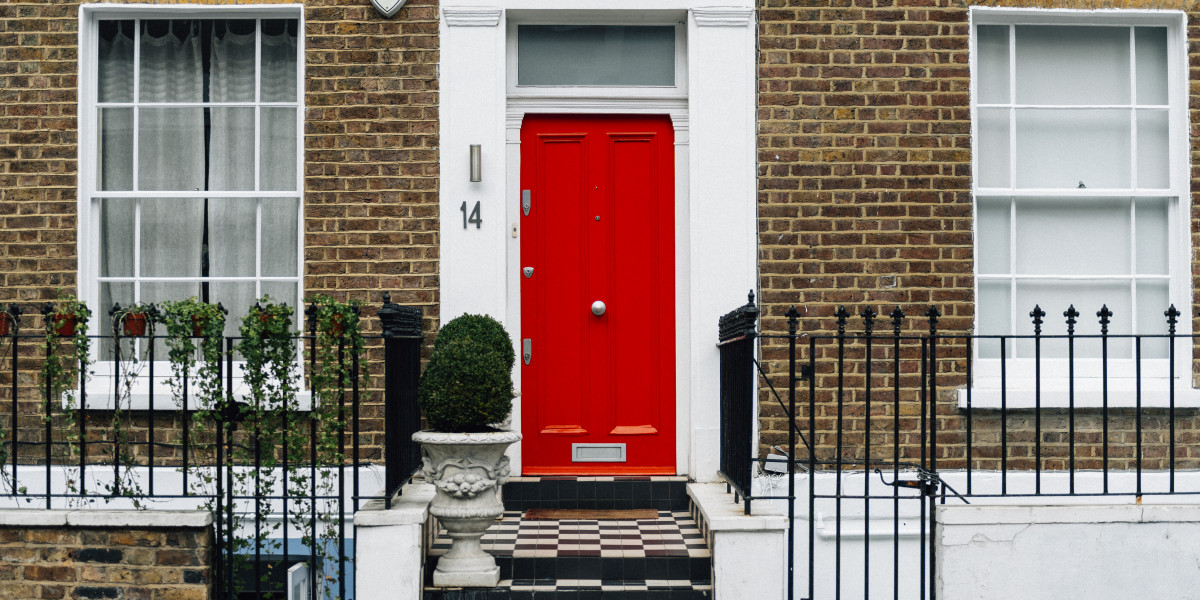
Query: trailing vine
125	336
66	322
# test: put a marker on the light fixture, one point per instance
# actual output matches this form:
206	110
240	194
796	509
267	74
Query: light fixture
476	163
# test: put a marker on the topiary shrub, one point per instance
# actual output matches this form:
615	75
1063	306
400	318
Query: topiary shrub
481	328
467	385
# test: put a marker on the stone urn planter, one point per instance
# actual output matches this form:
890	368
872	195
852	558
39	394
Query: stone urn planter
467	469
465	390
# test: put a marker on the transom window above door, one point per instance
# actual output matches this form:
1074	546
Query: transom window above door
555	59
1080	179
195	179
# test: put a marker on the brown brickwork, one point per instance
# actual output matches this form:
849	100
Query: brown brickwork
864	200
100	563
371	152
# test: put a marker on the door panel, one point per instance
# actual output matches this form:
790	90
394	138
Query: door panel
601	227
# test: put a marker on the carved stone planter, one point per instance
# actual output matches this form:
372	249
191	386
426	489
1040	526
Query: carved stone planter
467	469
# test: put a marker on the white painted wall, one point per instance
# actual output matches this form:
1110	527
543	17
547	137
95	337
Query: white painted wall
1055	552
874	542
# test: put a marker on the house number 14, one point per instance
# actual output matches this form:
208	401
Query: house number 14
473	217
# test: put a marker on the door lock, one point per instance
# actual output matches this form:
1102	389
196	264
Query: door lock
528	271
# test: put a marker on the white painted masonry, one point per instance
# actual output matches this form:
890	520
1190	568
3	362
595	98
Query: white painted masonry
1054	552
390	545
749	553
715	176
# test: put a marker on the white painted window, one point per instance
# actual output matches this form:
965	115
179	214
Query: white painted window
190	157
1080	185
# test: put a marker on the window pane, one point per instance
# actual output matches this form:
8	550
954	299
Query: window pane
595	55
993	64
994	231
171	237
100	323
278	168
993	147
231	61
1072	65
279	231
1073	237
1152	303
231	150
172	62
171	149
116	149
1088	297
231	236
116	237
1151	49
1154	161
114	76
995	309
1152	255
279	60
1066	148
237	298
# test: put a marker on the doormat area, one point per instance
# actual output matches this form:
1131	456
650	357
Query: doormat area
583	514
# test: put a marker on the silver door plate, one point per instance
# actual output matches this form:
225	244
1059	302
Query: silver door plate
528	271
525	202
597	452
527	350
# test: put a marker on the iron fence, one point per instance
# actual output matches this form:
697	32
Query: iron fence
279	474
888	417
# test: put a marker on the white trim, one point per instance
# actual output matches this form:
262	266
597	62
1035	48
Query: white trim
472	17
722	17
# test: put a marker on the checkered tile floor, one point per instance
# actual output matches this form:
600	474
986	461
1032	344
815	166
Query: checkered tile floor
518	585
671	534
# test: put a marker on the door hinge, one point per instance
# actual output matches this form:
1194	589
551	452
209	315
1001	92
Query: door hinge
527	349
525	201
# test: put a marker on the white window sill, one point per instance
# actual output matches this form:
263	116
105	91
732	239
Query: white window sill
100	395
1088	394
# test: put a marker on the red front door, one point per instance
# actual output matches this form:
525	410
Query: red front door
597	295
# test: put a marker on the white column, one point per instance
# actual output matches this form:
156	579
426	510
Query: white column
723	211
389	547
472	260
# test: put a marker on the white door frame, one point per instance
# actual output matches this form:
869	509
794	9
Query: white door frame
715	183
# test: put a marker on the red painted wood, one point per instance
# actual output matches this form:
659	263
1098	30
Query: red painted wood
607	379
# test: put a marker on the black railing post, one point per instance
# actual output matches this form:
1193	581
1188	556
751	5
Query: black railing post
401	370
735	343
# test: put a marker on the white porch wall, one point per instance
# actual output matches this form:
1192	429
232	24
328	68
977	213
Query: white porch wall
973	557
716	206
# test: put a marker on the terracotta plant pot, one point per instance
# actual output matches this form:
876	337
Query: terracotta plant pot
64	325
336	325
5	323
198	325
134	325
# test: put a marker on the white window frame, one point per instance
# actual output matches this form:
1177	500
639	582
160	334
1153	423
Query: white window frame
1155	385
100	387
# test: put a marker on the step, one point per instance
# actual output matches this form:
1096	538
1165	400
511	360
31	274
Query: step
657	492
661	559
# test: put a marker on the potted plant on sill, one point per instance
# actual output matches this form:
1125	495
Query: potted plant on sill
465	390
132	319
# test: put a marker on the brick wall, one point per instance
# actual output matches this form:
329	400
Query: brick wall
864	200
371	176
123	561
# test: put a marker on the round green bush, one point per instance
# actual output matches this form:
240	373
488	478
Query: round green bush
466	386
481	328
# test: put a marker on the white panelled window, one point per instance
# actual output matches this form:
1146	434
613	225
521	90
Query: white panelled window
191	184
1075	202
1080	178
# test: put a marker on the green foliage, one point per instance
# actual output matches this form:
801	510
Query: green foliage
467	385
183	320
64	371
481	328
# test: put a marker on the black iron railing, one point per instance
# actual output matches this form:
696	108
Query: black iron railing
891	417
279	480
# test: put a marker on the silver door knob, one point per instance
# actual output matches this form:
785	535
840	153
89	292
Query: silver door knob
598	308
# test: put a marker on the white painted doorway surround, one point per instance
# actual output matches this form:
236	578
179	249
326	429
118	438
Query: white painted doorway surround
715	229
